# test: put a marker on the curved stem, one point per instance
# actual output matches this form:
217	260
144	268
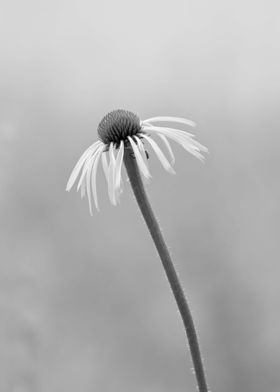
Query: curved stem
153	226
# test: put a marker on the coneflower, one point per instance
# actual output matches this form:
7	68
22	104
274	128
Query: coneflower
118	131
123	138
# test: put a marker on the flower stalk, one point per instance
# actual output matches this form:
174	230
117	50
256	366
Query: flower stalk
178	292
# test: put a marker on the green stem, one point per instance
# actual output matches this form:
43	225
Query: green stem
153	226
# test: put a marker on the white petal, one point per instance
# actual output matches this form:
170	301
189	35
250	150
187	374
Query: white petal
87	166
171	119
160	154
83	189
111	177
93	177
154	128
88	162
166	142
105	165
88	187
189	142
117	180
91	173
143	153
142	166
79	164
141	149
184	139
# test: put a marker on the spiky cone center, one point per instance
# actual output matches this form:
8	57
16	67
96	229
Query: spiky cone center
117	125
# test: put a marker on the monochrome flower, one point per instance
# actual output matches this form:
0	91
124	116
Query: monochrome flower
121	129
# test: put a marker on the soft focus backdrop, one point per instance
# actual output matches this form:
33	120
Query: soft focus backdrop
84	303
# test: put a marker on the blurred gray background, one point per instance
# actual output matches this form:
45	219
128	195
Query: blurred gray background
84	303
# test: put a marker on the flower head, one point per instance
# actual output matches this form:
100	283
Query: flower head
122	129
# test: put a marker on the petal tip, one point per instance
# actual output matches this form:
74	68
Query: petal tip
170	170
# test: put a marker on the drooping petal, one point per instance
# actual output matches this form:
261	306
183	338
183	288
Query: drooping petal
143	152
75	172
83	189
181	137
93	177
82	180
88	184
117	180
186	136
171	119
87	165
165	163
167	144
142	166
111	177
141	148
150	127
105	165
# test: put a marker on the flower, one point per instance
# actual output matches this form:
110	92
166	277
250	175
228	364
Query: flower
122	129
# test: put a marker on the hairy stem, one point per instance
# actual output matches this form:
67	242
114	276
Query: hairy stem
153	226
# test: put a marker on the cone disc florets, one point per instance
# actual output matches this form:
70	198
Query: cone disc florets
117	126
